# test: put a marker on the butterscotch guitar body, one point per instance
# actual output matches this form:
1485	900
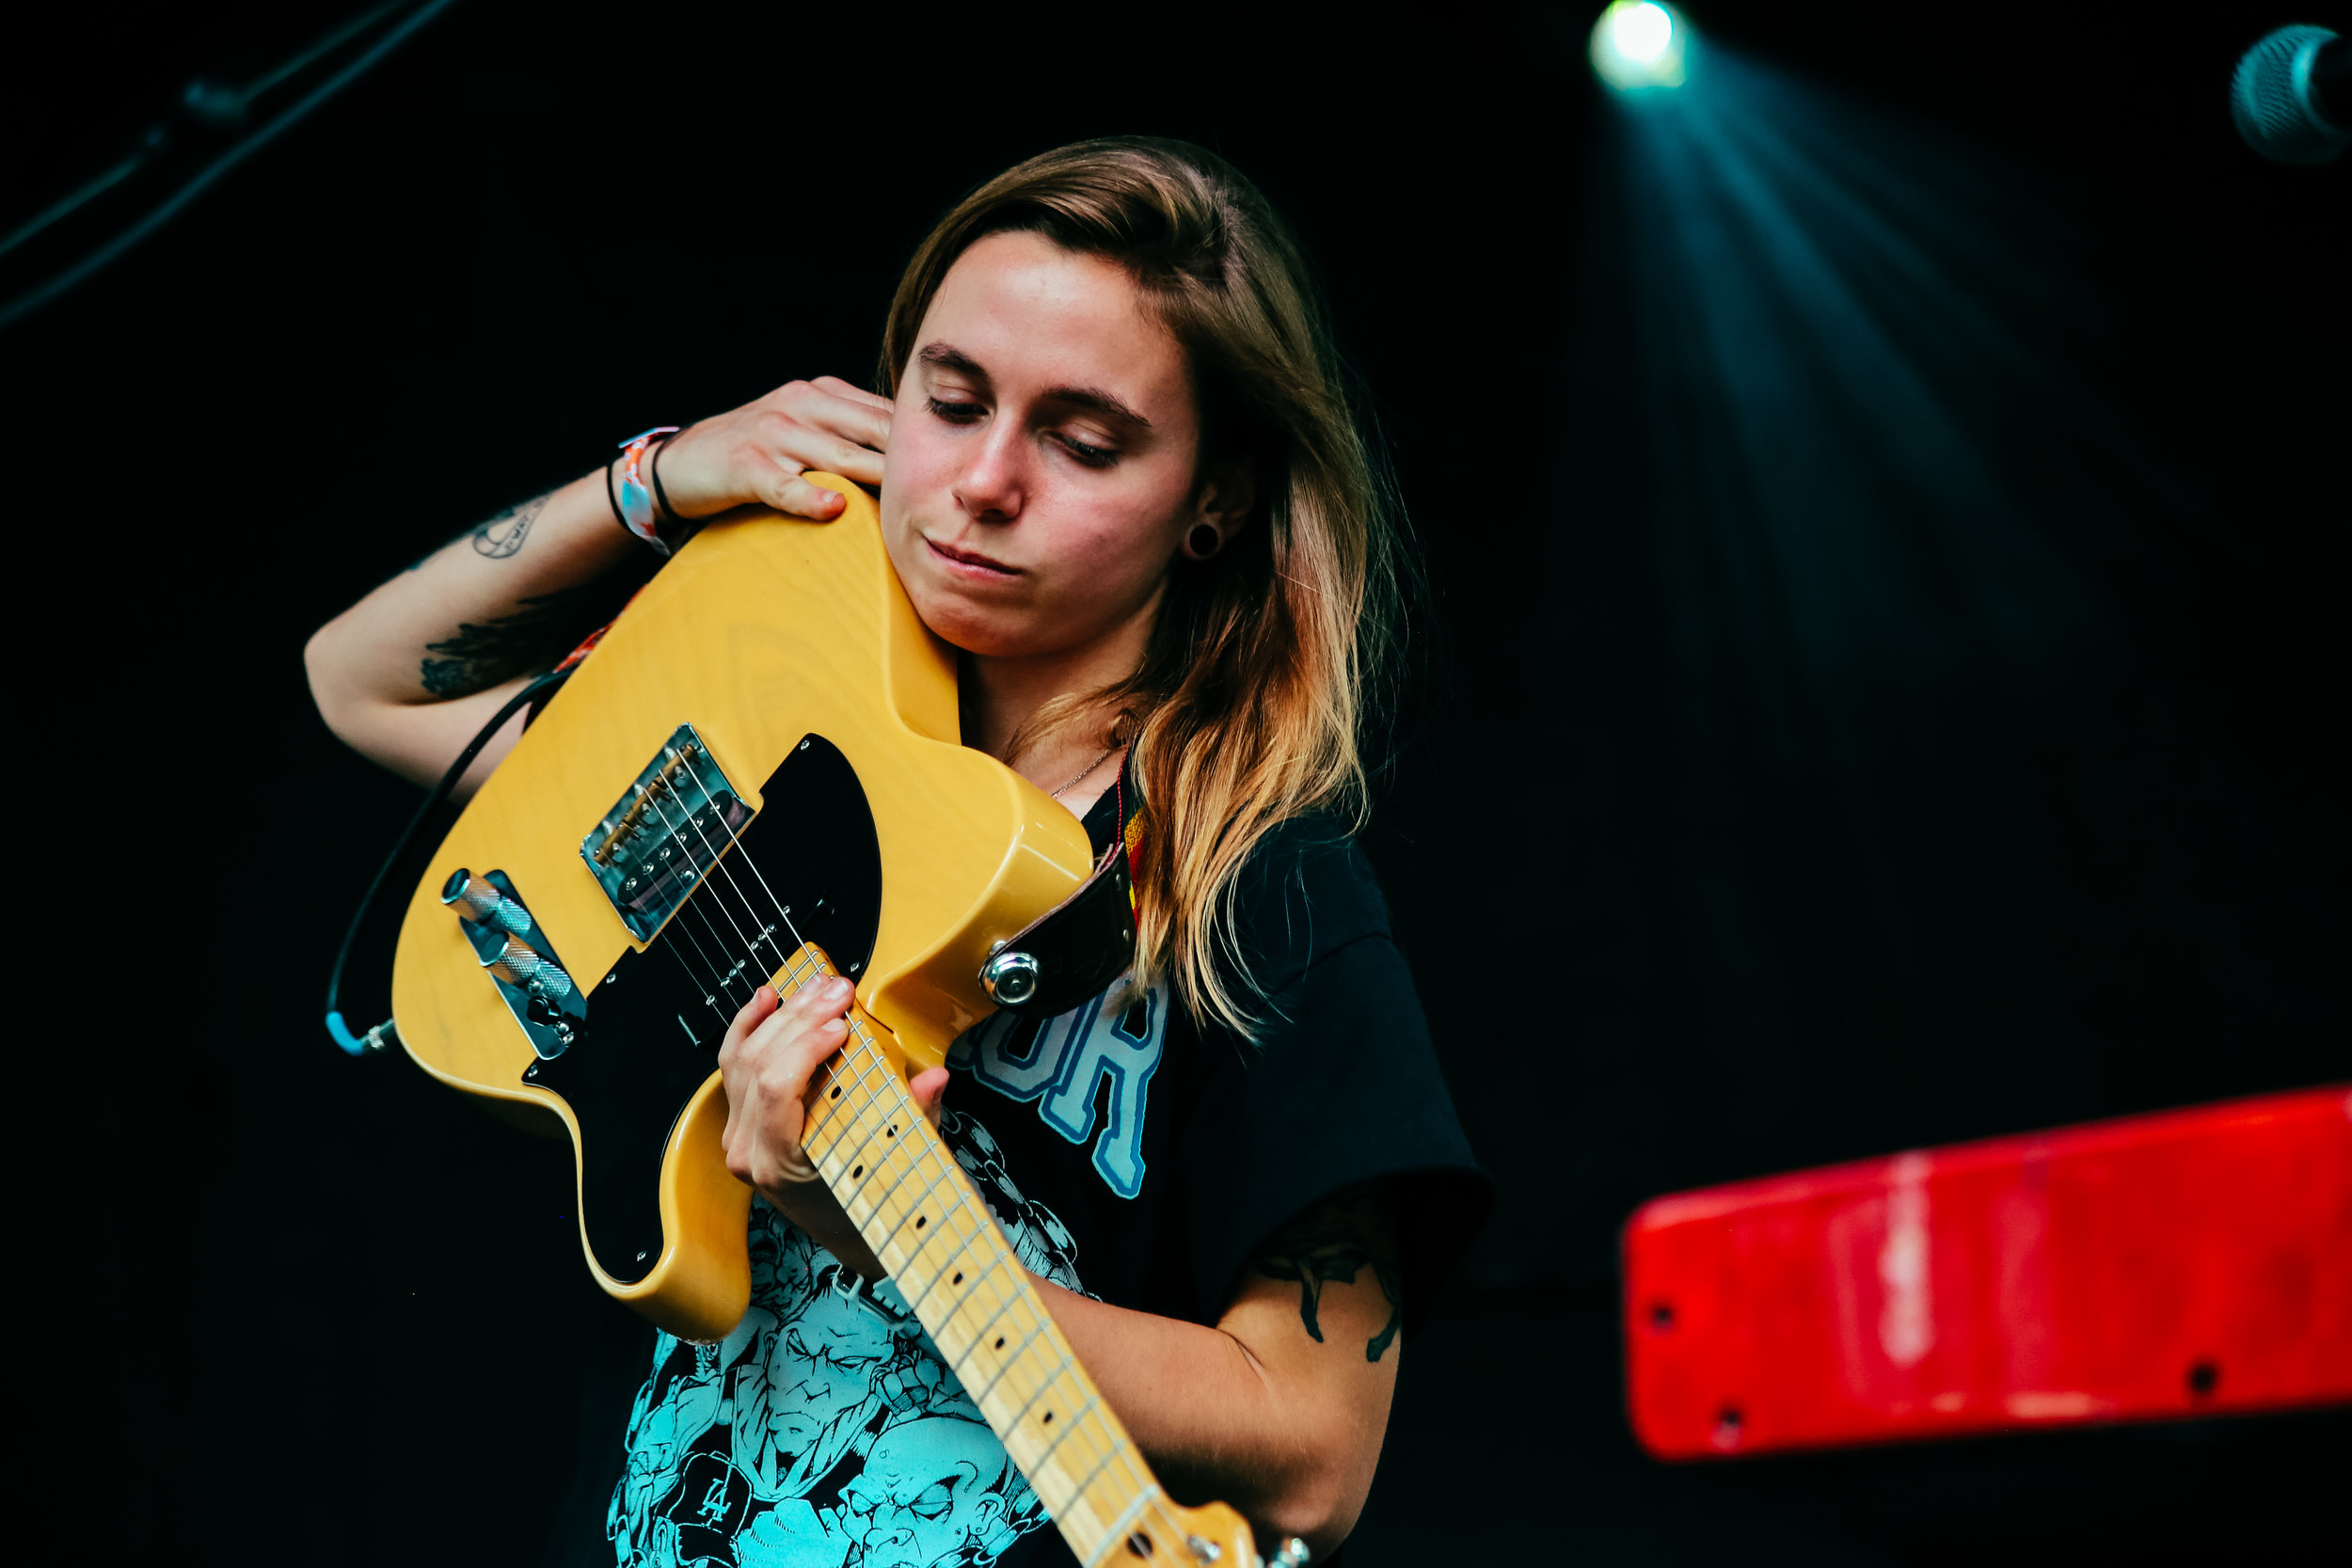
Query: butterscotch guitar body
764	632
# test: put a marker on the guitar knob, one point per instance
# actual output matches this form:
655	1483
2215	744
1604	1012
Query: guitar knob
478	899
1291	1554
525	970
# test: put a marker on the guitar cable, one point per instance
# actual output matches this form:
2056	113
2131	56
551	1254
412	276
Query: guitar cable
374	1039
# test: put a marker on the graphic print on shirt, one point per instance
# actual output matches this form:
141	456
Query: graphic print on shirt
1060	1062
826	1432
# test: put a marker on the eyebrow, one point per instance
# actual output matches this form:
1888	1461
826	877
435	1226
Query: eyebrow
947	357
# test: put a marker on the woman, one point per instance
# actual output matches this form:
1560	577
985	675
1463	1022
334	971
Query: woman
1117	474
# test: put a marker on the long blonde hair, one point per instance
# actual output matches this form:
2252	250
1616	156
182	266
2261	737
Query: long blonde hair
1251	703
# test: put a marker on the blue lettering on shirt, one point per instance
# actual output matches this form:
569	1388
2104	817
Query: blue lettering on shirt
1061	1062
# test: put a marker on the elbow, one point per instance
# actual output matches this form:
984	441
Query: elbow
1319	1503
328	694
341	703
1323	1519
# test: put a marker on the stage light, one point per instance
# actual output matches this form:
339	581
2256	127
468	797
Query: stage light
1638	44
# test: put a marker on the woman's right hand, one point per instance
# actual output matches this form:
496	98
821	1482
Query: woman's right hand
757	454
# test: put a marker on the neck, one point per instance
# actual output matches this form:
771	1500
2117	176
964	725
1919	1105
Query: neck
1002	694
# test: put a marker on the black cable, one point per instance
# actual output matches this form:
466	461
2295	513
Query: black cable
42	293
359	1045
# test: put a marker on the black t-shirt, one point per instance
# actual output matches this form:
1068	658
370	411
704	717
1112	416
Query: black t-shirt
1127	1153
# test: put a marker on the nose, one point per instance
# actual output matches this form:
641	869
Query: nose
992	485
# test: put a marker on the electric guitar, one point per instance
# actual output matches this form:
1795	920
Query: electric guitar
758	778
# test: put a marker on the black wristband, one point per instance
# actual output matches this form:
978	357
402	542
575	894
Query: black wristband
661	497
614	502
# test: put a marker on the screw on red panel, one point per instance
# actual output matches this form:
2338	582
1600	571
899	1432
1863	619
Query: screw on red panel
1728	1428
1662	1315
2203	1378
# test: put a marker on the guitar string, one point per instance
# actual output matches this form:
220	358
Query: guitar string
963	1245
872	1163
718	863
702	982
712	988
1068	1427
688	902
687	899
922	1199
1122	1451
860	1095
735	838
965	1241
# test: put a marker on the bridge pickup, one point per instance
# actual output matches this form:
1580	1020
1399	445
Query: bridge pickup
515	953
665	834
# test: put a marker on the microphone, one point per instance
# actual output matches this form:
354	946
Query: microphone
2291	96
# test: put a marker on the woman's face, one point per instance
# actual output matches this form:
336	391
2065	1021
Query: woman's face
1042	454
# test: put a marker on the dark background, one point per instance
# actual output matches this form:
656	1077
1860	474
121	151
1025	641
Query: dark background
1681	910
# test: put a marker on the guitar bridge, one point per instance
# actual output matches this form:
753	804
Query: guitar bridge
665	834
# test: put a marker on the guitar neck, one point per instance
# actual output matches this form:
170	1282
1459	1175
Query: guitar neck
912	1202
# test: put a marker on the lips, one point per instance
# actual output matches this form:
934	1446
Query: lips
971	560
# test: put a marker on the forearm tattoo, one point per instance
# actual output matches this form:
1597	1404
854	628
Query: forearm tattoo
479	656
1334	1242
502	536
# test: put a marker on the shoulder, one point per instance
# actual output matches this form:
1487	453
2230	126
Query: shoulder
1337	1096
1306	894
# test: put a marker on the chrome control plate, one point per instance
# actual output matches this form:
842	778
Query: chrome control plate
541	995
665	834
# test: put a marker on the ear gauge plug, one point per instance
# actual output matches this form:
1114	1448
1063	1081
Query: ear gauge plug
1203	541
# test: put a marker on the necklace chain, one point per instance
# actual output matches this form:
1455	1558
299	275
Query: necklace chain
1080	775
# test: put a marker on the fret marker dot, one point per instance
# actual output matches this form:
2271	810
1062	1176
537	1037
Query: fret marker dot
857	1170
837	1091
1000	1342
918	1222
959	1279
1049	1419
891	1132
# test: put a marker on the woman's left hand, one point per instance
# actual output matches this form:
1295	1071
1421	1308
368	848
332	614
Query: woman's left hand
770	1053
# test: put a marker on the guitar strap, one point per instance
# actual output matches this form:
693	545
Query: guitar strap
1087	941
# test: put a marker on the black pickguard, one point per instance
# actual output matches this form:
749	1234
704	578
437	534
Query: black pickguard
654	1023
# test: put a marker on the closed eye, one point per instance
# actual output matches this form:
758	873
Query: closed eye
1089	453
955	413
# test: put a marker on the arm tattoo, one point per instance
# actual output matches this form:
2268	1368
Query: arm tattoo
501	535
1333	1241
479	656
